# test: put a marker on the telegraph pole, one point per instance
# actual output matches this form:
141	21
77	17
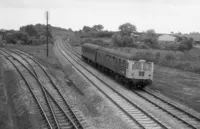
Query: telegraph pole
47	33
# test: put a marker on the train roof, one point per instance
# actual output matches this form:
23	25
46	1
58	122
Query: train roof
115	52
91	46
123	54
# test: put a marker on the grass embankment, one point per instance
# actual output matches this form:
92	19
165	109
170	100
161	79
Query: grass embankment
5	120
40	52
16	108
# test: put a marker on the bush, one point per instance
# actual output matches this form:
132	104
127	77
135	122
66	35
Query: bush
141	45
197	70
33	40
123	40
187	55
74	41
183	66
2	43
95	34
104	34
150	39
170	57
30	30
145	55
87	40
15	36
171	46
157	57
186	44
85	35
98	42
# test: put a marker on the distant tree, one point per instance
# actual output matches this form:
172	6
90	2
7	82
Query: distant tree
122	40
30	29
3	32
44	33
179	38
70	29
23	36
179	33
124	37
186	44
150	38
98	27
151	32
87	29
194	33
127	28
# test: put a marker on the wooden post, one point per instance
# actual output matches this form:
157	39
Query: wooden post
47	33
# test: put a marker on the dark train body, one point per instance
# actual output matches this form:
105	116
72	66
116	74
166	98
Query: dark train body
123	66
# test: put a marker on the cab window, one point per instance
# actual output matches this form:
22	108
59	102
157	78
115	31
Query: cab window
147	66
137	65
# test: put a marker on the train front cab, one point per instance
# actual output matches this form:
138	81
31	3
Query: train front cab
141	72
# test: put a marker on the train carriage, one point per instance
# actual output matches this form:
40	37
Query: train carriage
89	52
112	60
125	67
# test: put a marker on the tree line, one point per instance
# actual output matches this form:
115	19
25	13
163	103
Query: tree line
28	35
128	36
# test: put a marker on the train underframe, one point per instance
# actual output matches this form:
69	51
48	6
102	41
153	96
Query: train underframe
128	83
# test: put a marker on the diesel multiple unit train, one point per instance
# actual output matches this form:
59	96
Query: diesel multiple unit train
124	67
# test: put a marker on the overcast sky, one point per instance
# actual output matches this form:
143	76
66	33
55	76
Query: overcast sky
163	16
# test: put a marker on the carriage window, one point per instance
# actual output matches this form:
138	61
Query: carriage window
127	64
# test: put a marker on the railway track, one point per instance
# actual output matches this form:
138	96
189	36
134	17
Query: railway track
45	121
136	115
59	114
182	117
